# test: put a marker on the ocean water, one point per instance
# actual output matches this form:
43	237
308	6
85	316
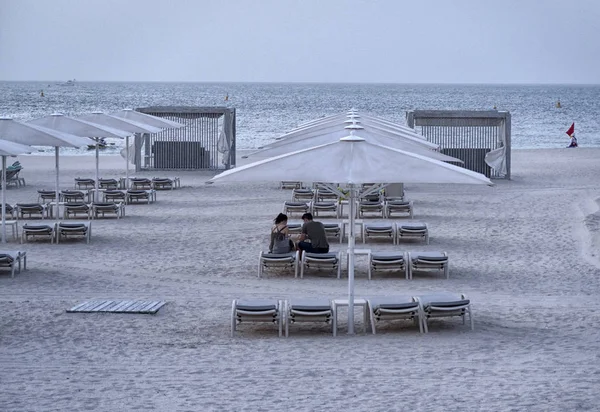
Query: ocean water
267	110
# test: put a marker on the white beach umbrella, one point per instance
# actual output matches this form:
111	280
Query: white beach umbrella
121	124
352	160
30	134
78	127
150	120
154	121
285	146
8	148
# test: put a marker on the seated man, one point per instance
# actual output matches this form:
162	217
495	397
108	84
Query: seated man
315	231
573	142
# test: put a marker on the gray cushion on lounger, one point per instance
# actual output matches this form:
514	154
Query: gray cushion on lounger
278	255
256	305
440	297
378	227
448	304
412	226
430	256
321	255
6	258
311	305
295	203
37	227
391	302
387	256
331	226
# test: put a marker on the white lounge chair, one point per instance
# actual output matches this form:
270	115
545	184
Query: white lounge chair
140	183
412	230
333	230
277	261
84	183
319	208
290	208
394	308
366	206
388	261
12	259
290	185
303	195
256	311
379	231
321	261
394	206
307	310
73	229
100	209
140	196
326	195
34	231
443	305
76	209
31	210
165	183
428	261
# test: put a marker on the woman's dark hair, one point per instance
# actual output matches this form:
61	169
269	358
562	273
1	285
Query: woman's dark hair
280	218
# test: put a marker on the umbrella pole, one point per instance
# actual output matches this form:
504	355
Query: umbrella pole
97	184
3	199
56	187
351	264
126	162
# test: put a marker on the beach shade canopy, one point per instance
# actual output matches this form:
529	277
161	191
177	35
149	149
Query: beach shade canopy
130	114
79	127
129	126
8	148
285	146
352	160
30	134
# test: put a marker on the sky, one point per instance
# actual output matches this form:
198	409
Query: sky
349	41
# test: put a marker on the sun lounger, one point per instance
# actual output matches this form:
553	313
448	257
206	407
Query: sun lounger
303	195
307	310
398	207
333	230
104	208
366	206
412	230
277	261
108	184
256	311
428	261
75	209
45	196
165	183
379	231
31	210
321	261
114	196
82	183
140	183
9	211
443	305
394	308
326	195
79	229
388	261
140	196
318	208
12	259
295	207
290	185
35	231
72	196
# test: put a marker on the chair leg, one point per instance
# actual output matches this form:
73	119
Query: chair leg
233	305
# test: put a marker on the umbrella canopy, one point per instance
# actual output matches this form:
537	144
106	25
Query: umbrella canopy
352	160
121	124
154	121
8	149
285	146
29	134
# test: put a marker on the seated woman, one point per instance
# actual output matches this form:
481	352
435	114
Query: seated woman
280	238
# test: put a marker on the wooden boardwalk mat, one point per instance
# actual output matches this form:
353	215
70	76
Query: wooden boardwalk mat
119	306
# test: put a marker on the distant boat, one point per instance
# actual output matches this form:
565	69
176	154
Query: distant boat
67	83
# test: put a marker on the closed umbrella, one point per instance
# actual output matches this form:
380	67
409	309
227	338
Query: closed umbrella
30	134
8	149
352	160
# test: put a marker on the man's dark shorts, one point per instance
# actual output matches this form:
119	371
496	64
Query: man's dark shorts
307	247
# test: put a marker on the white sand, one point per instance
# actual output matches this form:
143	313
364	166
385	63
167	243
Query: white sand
526	252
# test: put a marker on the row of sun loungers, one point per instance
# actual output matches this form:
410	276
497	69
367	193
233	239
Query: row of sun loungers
135	183
57	231
403	262
385	209
109	195
94	210
417	309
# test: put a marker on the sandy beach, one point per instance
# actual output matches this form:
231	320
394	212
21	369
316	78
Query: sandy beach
525	251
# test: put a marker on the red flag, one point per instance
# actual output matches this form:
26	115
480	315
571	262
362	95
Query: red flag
571	130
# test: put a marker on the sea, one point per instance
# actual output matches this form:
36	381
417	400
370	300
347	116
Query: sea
265	111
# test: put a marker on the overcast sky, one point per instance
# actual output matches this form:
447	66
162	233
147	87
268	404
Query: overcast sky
381	41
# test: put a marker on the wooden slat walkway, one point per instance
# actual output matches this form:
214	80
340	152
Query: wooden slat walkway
119	306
